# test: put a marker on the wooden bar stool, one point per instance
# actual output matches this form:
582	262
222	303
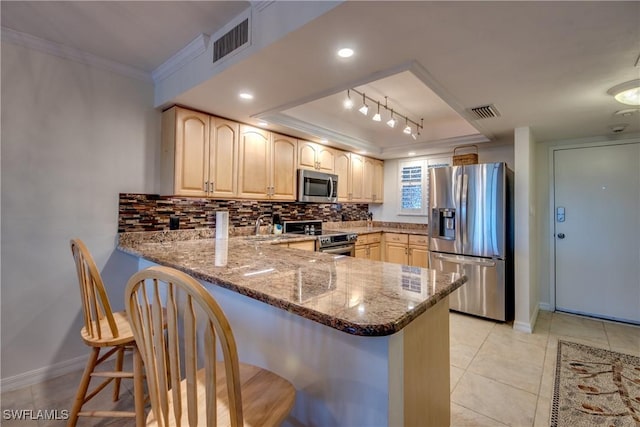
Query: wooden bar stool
206	391
103	330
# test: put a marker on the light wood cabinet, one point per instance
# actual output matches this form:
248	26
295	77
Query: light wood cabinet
199	154
360	179
356	175
378	182
223	158
185	152
396	248
307	245
266	165
207	156
368	246
342	169
253	163
407	249
315	156
283	169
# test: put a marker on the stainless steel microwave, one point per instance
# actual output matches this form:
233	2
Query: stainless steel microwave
317	187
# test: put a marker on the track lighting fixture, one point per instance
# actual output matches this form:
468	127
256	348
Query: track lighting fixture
348	103
416	134
407	128
376	117
365	108
393	114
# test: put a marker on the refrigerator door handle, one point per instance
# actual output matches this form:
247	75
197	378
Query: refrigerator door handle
463	209
466	260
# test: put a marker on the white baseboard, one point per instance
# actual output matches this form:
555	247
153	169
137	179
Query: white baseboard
530	325
42	374
545	306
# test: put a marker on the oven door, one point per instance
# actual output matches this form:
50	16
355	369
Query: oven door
347	250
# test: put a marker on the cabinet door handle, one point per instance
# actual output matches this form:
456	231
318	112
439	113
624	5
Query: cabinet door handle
205	188
211	186
406	251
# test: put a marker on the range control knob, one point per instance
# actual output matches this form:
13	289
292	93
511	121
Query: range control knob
352	237
325	240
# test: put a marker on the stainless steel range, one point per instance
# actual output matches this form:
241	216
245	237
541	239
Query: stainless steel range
330	241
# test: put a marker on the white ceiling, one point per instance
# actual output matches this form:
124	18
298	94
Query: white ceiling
546	65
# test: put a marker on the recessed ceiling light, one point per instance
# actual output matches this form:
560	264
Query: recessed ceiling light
324	140
411	153
345	52
263	123
245	95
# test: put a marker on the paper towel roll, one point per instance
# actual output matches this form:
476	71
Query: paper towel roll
222	251
222	224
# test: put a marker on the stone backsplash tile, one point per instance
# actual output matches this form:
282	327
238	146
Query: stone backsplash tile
151	212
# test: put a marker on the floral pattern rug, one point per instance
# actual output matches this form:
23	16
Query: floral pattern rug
595	387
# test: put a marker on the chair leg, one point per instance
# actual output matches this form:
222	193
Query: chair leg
119	362
84	385
138	387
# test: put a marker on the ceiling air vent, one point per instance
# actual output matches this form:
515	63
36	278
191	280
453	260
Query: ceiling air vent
484	112
232	40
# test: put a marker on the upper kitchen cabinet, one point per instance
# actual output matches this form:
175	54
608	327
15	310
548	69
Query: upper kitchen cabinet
283	161
356	174
196	152
223	159
266	165
254	165
360	179
342	169
315	156
377	195
185	152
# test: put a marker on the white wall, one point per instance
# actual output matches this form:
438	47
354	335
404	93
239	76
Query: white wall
388	211
526	284
544	187
73	137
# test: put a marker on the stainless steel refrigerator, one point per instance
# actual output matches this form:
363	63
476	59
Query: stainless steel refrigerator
471	232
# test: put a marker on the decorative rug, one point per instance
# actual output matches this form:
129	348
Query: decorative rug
595	387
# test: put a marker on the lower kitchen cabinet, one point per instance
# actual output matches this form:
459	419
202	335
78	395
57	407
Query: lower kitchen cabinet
307	245
407	249
368	246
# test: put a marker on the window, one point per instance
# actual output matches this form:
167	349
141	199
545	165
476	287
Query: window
414	184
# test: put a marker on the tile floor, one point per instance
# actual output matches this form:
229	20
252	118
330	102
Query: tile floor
499	377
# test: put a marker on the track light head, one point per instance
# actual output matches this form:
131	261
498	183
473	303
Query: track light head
376	117
348	102
365	108
392	122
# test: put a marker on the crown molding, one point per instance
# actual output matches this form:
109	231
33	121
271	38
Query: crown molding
447	143
320	132
195	48
73	54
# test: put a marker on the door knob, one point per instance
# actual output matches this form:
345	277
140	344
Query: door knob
560	235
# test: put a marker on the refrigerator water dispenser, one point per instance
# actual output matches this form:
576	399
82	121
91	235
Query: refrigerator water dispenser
445	223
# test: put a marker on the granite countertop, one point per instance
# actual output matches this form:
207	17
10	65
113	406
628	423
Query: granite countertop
382	229
357	296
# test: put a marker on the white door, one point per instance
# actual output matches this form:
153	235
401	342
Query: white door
597	231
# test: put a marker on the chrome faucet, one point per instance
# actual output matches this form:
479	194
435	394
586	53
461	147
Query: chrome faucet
258	222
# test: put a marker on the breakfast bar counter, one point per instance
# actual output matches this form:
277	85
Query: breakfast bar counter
363	342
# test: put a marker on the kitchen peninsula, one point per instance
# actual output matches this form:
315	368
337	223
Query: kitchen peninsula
365	343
